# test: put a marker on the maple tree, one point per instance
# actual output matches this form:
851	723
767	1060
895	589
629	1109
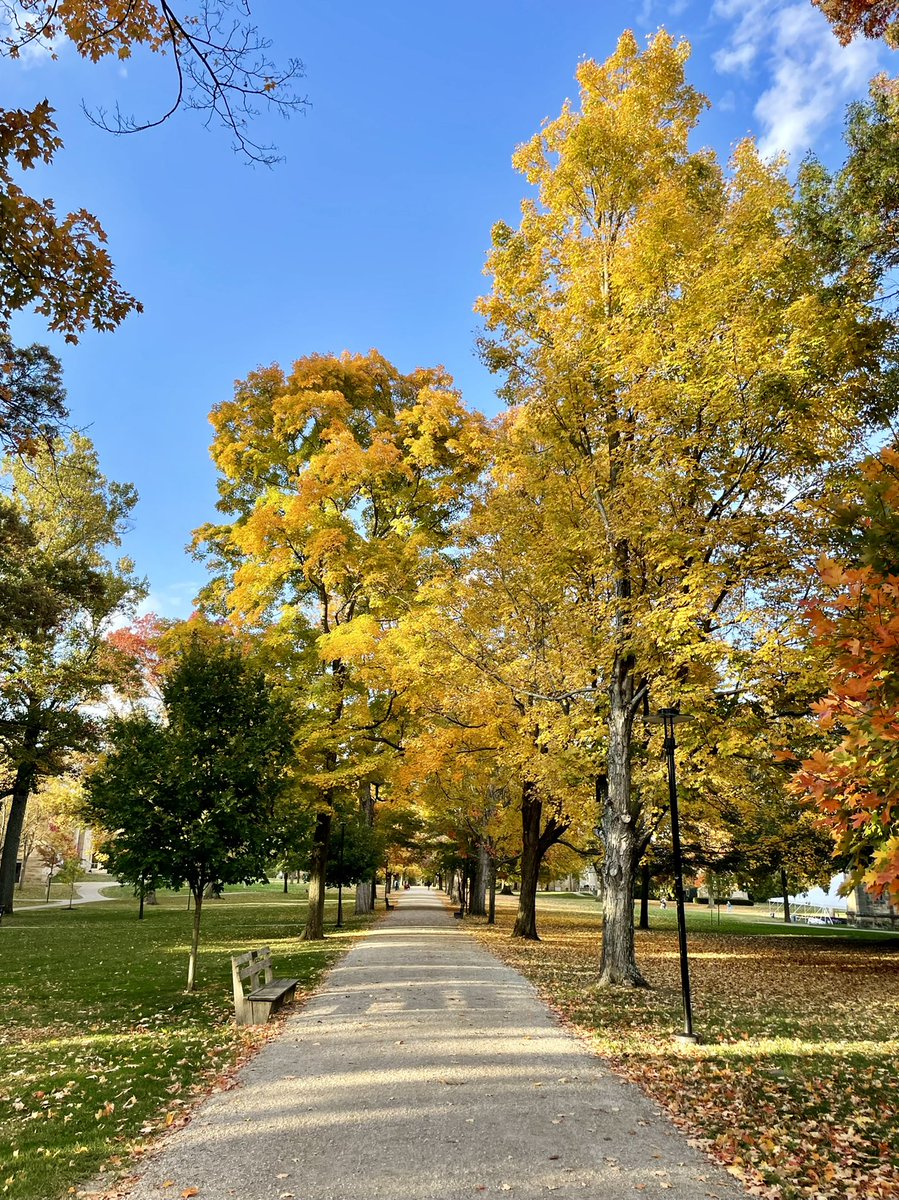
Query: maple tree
339	481
220	57
871	18
190	799
683	375
57	263
62	591
852	780
51	818
484	657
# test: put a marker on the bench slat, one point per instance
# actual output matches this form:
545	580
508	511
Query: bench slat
252	956
273	990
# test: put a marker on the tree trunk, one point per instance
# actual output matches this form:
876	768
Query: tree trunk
644	896
363	897
285	883
491	903
142	894
477	902
195	944
365	892
785	889
619	963
531	813
315	917
26	854
15	822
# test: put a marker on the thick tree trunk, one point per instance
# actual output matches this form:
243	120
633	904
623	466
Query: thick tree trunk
365	891
531	813
644	896
477	903
786	891
363	897
619	963
195	944
15	823
315	916
491	902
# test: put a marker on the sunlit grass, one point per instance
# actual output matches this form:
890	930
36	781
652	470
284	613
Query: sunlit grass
100	1047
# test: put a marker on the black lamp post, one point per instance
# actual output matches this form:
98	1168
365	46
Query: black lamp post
340	877
668	718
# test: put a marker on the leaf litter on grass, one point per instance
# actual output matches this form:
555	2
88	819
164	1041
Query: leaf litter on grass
794	1089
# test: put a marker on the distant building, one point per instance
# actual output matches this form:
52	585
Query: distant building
863	908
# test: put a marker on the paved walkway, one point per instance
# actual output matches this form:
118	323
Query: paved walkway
425	1069
88	893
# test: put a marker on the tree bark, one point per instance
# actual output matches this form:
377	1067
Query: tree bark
618	964
534	844
365	891
785	889
15	822
363	897
195	944
531	813
491	903
644	896
477	901
315	916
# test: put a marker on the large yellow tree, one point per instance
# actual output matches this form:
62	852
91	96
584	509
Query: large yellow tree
340	481
686	379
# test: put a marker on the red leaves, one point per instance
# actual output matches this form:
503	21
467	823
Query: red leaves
855	783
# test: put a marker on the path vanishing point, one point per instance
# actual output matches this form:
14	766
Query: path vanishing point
425	1069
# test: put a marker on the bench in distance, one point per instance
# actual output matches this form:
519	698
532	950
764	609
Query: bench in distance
255	1006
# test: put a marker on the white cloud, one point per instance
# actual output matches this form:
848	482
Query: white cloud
665	10
33	53
175	600
810	76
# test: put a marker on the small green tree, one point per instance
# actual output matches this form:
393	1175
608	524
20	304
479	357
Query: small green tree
188	797
71	873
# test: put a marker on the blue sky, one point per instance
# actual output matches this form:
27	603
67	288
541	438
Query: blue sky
373	231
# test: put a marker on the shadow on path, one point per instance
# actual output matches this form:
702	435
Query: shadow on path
425	1069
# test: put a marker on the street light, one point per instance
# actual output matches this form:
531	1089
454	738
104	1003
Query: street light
340	877
668	718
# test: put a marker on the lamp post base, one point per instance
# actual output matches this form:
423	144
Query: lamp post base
686	1039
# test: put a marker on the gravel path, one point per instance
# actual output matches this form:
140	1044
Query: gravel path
425	1069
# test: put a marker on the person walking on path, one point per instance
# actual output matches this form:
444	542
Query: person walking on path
426	1069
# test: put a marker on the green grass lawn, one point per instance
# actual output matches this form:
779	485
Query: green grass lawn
794	1088
100	1047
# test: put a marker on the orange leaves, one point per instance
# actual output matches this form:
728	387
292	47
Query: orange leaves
57	264
854	784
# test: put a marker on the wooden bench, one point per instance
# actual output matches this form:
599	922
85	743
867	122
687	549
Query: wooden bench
257	1005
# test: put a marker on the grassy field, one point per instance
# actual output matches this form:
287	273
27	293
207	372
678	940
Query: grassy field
100	1048
794	1088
